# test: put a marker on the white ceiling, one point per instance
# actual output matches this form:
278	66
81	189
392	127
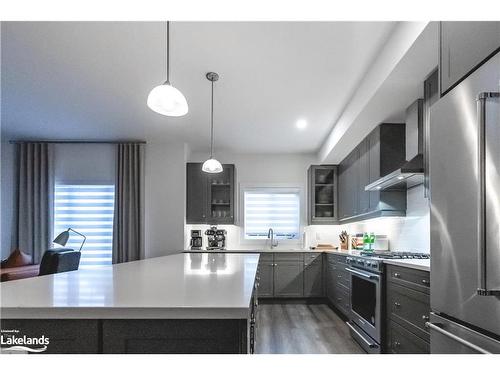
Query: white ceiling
90	80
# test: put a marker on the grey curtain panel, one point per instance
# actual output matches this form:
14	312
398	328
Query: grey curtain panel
34	203
128	225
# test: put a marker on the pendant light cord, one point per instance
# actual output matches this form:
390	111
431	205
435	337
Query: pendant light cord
167	51
212	124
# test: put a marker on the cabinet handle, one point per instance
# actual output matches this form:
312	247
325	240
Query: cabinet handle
425	281
398	275
396	344
397	305
425	318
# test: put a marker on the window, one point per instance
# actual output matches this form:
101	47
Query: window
87	209
274	208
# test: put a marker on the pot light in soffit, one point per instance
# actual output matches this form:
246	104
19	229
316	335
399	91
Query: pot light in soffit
212	165
165	99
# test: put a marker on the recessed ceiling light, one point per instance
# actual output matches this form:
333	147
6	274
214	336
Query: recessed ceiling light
301	124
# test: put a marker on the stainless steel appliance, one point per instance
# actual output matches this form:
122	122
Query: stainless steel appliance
196	242
216	238
465	215
366	301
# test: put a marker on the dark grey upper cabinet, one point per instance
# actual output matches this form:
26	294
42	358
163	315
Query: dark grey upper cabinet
322	194
348	182
196	194
363	168
379	154
209	197
464	46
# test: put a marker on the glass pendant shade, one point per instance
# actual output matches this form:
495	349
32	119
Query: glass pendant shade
212	166
167	100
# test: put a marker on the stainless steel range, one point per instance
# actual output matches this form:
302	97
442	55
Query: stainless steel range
367	273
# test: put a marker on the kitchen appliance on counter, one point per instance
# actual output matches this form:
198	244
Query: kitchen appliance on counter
216	238
465	217
196	242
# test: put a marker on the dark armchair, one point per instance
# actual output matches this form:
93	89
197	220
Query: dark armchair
59	260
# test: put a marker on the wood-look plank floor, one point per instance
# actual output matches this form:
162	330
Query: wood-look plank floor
302	329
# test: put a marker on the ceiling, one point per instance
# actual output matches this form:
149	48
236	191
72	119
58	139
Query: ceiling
90	80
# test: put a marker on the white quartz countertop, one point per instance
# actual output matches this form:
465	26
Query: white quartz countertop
180	286
419	264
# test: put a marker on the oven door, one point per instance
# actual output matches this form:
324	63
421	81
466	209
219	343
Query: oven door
366	301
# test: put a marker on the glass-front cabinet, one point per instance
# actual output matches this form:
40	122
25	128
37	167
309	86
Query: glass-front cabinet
322	194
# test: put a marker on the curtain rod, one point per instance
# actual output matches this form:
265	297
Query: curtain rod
75	142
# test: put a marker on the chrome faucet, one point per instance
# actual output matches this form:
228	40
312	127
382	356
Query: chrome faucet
270	235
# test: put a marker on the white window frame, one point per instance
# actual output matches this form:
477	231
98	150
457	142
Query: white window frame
276	188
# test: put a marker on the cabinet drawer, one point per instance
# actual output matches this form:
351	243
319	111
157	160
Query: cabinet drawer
265	258
288	257
336	258
342	277
409	308
402	341
409	277
342	300
312	258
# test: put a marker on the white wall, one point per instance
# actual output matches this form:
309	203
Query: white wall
165	198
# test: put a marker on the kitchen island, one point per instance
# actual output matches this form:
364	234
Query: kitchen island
182	303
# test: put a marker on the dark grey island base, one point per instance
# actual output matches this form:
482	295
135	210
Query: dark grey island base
137	336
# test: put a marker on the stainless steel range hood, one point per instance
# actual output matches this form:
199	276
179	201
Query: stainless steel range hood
409	175
411	172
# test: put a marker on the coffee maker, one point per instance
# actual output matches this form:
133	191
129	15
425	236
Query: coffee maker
196	240
216	238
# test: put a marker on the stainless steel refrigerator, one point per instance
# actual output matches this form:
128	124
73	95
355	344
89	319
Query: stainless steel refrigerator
464	154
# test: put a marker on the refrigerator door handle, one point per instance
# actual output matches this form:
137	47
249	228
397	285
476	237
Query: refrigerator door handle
482	289
466	343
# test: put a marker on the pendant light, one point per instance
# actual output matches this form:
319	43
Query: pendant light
212	165
165	99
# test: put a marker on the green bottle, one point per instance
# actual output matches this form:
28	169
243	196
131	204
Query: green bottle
366	241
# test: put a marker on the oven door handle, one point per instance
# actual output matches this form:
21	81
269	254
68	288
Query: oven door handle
363	274
370	344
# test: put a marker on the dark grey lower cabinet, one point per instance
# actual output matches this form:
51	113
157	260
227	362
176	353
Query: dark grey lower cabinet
291	275
313	275
288	278
66	336
266	275
407	310
184	336
146	336
338	283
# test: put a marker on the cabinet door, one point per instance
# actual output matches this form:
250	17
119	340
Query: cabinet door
342	190
196	194
374	166
220	196
266	274
322	194
363	169
313	275
288	279
352	179
464	46
330	282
